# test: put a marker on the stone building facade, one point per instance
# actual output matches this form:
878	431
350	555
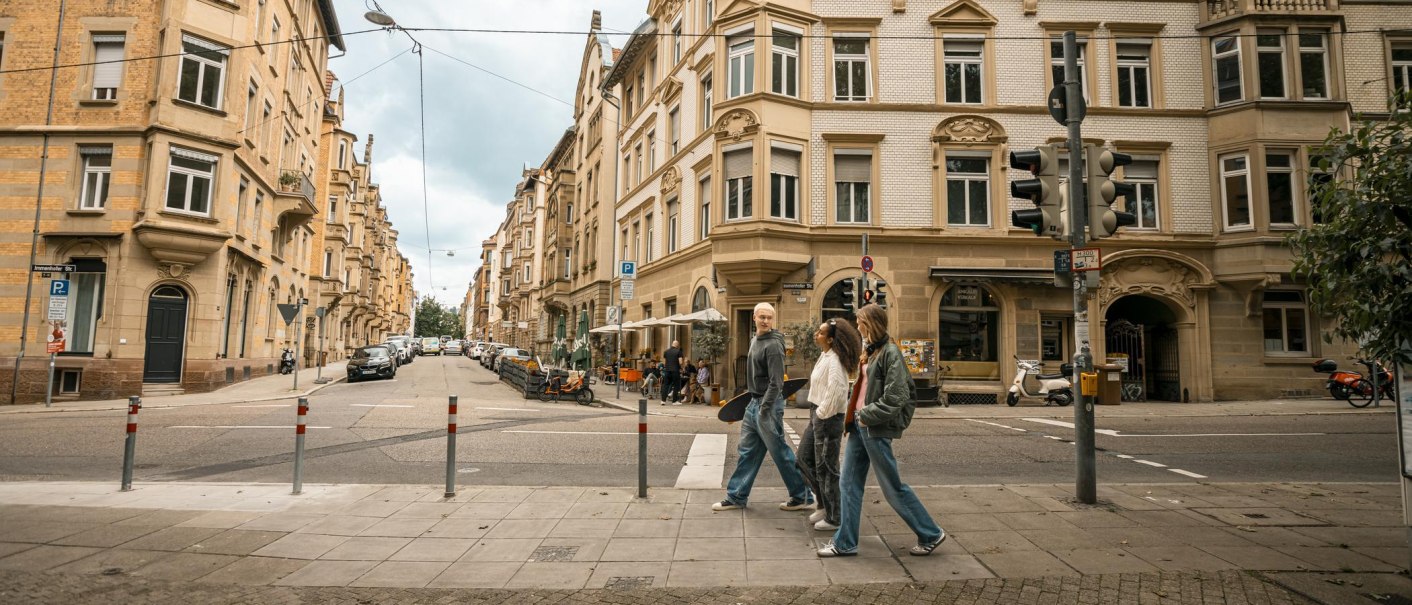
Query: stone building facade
183	189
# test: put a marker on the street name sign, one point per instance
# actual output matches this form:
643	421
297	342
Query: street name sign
51	268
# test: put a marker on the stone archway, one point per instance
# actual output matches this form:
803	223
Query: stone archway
1153	309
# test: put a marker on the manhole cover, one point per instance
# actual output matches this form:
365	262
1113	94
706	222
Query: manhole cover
628	582
553	554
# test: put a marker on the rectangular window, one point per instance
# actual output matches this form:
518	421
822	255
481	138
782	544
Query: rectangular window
738	169
342	154
784	184
637	241
674	130
740	65
651	237
784	63
651	152
1320	176
190	175
266	117
1134	74
505	288
525	272
1279	188
624	239
1402	66
259	215
202	72
328	263
568	262
1286	323
703	202
850	68
569	212
637	153
627	172
1314	63
1142	174
1270	56
1235	190
97	174
708	13
250	108
332	209
1056	63
967	191
1225	57
240	200
676	42
108	67
962	70
853	176
85	304
673	225
706	103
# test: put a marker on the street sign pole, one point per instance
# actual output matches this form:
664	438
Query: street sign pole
321	313
1086	481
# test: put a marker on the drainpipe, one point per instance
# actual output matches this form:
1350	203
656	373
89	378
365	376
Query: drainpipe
38	208
617	172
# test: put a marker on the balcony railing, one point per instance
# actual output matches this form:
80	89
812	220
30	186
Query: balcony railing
295	181
1216	9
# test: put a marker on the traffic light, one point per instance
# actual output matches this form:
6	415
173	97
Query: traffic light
1103	221
850	294
1043	191
880	293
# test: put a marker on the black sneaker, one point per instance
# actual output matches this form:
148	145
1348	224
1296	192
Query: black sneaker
795	504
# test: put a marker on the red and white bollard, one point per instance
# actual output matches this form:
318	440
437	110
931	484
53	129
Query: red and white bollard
642	448
134	403
451	447
299	445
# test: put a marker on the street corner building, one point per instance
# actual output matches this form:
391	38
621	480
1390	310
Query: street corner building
190	166
737	152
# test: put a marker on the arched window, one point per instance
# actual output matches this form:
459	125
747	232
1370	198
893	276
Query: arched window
700	300
833	303
968	332
272	315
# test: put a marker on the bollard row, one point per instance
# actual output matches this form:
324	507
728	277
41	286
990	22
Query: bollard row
451	447
134	403
299	445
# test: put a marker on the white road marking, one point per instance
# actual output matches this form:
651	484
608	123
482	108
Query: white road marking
378	405
237	426
999	425
273	405
1069	425
1150	463
509	409
1113	433
1053	437
1187	473
1124	456
705	463
597	433
793	436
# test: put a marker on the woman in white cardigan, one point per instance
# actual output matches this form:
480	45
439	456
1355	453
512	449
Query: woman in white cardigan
828	391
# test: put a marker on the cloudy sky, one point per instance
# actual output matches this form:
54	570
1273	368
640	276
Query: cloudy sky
481	129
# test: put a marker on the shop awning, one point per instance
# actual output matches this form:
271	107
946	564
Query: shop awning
1014	275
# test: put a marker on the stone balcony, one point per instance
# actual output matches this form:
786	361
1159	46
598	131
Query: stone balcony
1221	9
295	195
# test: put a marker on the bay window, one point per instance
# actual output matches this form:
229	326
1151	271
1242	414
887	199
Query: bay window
784	63
1235	190
1225	57
740	64
190	175
738	194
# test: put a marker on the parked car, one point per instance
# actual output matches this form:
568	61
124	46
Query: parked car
431	346
510	353
374	361
406	351
480	348
452	347
487	358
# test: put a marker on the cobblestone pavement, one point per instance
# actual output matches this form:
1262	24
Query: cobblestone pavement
1232	587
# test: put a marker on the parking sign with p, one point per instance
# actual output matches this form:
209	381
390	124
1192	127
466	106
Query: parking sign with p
58	287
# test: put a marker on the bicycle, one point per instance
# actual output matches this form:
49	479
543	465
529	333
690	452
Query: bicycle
575	386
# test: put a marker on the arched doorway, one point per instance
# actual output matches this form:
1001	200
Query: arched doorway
1143	330
166	334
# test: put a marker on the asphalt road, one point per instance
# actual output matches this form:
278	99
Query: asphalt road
393	431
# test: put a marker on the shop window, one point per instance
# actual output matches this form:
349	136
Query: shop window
969	332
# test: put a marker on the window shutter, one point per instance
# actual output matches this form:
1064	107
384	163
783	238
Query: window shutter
1141	169
95	150
783	161
194	155
105	74
738	163
852	168
203	45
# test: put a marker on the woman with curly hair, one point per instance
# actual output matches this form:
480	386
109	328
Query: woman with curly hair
828	391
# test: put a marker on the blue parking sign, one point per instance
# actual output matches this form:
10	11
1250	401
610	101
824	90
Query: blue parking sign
58	287
627	268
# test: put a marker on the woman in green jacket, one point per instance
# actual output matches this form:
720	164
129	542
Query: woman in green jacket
877	414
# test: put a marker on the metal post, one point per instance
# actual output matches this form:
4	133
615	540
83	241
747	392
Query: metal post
451	447
1085	484
299	445
618	361
642	448
322	313
38	208
297	329
134	403
49	388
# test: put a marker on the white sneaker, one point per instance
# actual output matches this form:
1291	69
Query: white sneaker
824	526
817	516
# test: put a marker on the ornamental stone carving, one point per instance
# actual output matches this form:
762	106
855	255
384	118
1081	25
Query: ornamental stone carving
173	271
1154	276
671	88
969	129
736	125
671	180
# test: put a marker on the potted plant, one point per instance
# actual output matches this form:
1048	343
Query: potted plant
804	352
709	341
288	180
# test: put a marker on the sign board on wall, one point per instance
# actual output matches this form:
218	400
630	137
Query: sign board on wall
920	354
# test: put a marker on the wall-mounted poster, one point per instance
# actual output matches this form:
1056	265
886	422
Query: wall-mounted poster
920	354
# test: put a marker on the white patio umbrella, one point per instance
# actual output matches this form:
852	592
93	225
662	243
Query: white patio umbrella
707	314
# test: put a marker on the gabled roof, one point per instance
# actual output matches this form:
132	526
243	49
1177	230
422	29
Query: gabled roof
642	39
335	33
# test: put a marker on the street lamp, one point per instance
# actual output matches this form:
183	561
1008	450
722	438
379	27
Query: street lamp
377	17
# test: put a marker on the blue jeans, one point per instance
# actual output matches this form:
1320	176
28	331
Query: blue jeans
862	451
758	436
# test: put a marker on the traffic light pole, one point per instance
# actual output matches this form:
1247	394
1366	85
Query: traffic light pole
1086	482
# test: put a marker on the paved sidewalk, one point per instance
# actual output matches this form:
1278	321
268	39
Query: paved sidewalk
1181	539
1269	407
264	388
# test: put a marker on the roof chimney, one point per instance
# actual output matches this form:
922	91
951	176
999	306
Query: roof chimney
597	21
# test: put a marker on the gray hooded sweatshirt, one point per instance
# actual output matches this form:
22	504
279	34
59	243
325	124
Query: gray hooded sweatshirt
764	375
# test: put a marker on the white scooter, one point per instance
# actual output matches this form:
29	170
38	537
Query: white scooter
1053	388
